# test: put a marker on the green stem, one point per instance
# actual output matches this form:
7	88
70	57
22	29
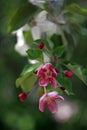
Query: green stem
45	90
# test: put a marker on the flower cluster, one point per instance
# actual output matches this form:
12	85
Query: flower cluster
47	75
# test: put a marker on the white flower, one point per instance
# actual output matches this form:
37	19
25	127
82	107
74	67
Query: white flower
43	26
37	2
36	32
21	45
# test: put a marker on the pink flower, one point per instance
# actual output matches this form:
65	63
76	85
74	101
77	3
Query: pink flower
47	75
49	99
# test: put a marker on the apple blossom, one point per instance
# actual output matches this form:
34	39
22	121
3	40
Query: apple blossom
47	75
43	26
49	99
21	45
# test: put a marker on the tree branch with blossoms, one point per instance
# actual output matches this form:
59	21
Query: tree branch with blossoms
48	31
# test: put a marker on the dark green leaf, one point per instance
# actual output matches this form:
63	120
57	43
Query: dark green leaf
70	46
59	51
83	31
72	16
34	54
65	82
7	11
22	16
56	39
77	9
85	75
76	20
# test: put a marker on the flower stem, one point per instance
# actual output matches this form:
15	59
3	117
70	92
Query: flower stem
45	90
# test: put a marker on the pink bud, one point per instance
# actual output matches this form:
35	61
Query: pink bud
22	97
41	45
68	74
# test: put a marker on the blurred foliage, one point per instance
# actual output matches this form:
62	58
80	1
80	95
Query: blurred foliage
15	115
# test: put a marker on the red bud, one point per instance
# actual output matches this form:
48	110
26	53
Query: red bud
68	74
22	97
41	45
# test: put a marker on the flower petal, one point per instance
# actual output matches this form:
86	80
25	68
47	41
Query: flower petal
54	73
43	82
53	107
42	103
36	32
59	97
41	17
53	94
47	65
54	82
40	72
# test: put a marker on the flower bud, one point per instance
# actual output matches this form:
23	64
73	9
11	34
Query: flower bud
41	45
68	74
35	72
22	97
62	88
57	70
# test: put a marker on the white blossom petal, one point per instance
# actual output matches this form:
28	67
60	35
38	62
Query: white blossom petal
21	48
37	2
36	33
21	45
48	26
41	17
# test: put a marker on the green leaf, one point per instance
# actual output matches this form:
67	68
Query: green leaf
76	22
83	31
65	82
22	16
27	79
77	9
78	71
85	75
30	68
34	54
56	39
26	82
72	16
70	44
7	11
59	51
